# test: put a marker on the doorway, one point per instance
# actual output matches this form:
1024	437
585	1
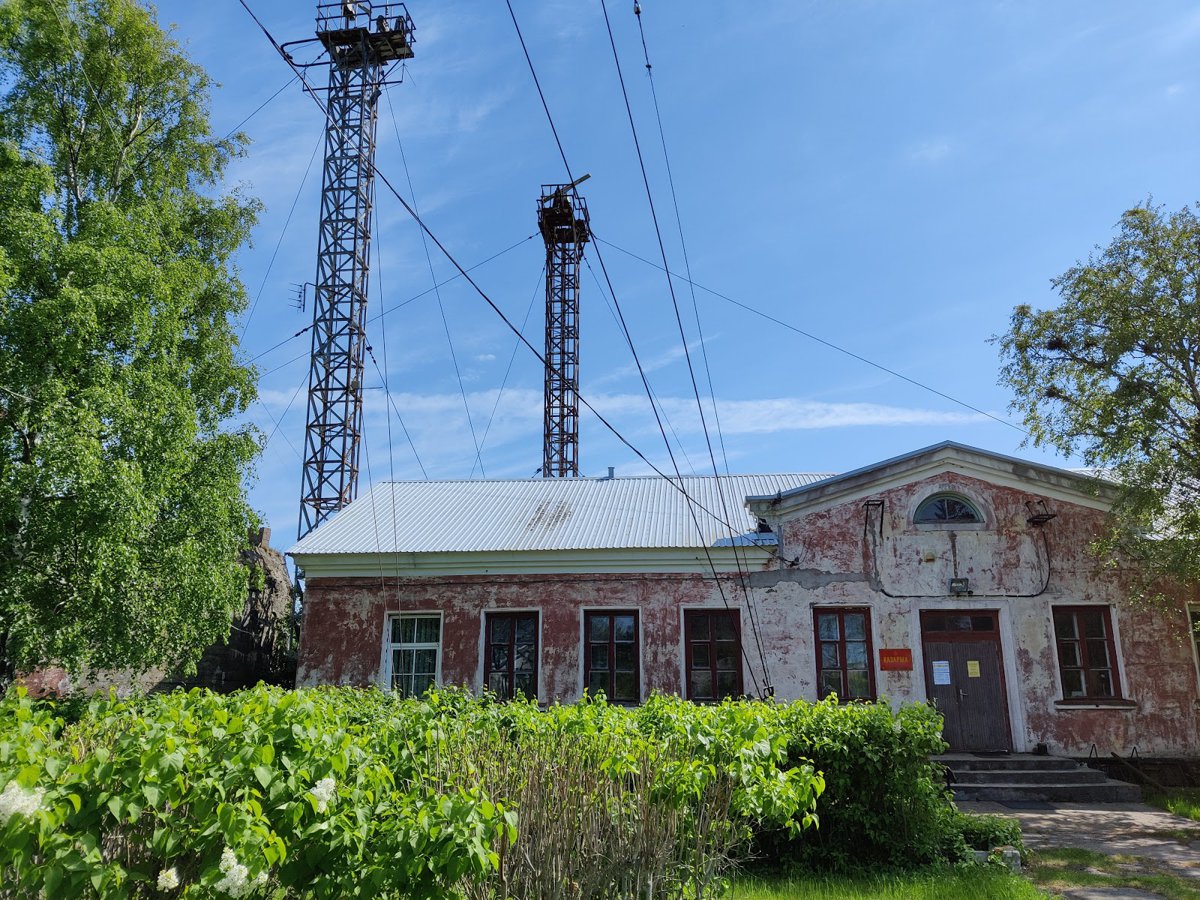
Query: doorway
964	677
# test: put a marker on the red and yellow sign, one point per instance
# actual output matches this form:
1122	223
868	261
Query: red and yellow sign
895	660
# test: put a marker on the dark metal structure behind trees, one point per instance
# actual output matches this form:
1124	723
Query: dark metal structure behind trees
563	222
363	40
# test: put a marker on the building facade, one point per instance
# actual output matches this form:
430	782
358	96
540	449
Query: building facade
949	575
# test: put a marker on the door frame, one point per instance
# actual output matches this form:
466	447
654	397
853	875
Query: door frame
972	637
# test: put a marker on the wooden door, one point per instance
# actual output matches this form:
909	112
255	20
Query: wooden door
964	678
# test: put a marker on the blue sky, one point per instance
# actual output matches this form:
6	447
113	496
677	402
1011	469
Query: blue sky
892	177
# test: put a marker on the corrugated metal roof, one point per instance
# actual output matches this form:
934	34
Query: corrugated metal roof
544	514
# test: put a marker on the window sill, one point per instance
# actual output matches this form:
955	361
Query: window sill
1096	703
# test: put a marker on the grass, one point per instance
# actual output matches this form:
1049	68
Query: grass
964	884
1180	801
1065	868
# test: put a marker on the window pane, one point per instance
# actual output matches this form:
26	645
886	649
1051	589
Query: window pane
599	656
1068	654
958	623
827	626
856	626
1064	625
498	684
428	630
830	658
1097	654
425	662
598	683
407	629
858	684
406	660
527	685
831	683
500	659
626	657
420	684
396	630
501	629
856	655
526	629
983	623
626	687
723	628
598	628
523	659
1100	683
700	659
702	685
1072	683
697	626
396	666
727	684
935	623
624	628
727	655
1093	623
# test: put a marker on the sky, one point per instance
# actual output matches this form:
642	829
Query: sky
891	177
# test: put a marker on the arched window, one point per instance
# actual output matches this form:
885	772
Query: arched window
946	509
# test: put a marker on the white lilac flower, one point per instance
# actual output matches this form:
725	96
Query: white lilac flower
236	880
168	879
324	791
19	801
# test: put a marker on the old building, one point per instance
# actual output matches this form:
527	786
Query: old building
950	574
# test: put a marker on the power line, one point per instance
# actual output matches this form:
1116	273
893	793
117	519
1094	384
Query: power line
282	235
438	293
812	337
236	128
674	300
392	309
676	484
511	359
628	336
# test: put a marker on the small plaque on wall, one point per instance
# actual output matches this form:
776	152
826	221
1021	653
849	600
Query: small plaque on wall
897	660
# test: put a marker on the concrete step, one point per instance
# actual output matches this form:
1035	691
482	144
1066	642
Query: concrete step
1029	778
965	762
1079	775
1108	791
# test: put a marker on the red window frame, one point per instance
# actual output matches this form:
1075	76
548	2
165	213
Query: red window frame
620	677
831	653
1083	657
706	638
501	644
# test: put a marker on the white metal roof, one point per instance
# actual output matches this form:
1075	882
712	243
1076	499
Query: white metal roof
545	514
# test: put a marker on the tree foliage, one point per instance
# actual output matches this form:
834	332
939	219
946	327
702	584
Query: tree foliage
1113	374
122	504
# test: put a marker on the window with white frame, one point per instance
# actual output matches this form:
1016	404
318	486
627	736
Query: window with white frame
414	645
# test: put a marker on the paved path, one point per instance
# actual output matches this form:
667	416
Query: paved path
1158	840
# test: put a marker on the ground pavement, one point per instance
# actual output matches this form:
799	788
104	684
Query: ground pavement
1159	842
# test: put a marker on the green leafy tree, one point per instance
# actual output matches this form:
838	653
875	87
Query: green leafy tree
122	468
1113	375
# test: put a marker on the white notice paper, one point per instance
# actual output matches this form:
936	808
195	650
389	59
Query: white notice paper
941	671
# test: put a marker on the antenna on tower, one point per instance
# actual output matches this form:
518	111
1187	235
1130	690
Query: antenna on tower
364	40
563	222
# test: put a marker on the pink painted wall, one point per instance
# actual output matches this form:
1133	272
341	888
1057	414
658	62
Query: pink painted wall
847	554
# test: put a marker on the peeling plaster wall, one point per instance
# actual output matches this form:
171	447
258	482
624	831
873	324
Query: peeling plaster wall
850	553
861	551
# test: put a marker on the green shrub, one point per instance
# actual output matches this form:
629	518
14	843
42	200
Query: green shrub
885	802
346	793
989	832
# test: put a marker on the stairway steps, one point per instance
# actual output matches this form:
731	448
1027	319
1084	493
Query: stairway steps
1028	778
1079	775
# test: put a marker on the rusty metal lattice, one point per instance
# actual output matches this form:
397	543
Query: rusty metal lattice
362	39
563	222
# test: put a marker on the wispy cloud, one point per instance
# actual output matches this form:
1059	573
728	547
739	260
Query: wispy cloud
670	357
930	152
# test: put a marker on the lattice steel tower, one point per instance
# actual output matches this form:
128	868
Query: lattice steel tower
364	39
563	221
